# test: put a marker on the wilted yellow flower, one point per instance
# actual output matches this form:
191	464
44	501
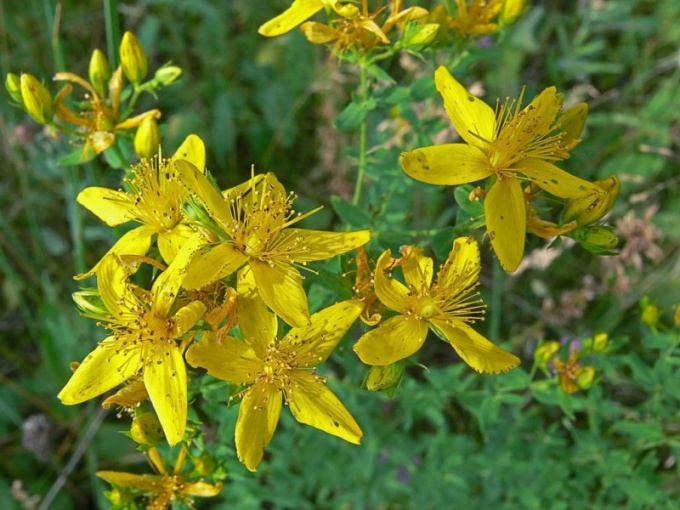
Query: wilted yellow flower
448	307
147	138
144	340
512	145
155	201
36	99
478	17
572	375
302	10
254	223
133	58
164	488
274	370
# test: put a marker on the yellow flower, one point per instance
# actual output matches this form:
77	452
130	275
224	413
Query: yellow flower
302	10
275	370
512	145
154	200
478	17
100	119
163	488
254	224
144	339
447	307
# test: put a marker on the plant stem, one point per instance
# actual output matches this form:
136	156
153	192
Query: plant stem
361	171
496	302
112	31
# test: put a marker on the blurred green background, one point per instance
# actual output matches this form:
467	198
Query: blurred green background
450	437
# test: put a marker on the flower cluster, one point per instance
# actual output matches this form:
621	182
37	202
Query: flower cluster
106	113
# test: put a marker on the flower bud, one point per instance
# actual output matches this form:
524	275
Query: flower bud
13	86
599	342
133	59
167	75
37	99
650	313
512	10
596	239
100	72
545	353
205	464
585	377
572	122
147	430
385	378
147	138
592	207
421	36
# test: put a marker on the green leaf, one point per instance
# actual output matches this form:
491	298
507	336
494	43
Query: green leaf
378	73
354	114
78	157
349	213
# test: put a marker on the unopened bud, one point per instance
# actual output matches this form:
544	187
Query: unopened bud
147	430
13	86
596	239
421	36
100	72
545	353
147	138
167	75
572	122
592	207
650	313
512	10
37	99
385	378
585	378
133	59
205	464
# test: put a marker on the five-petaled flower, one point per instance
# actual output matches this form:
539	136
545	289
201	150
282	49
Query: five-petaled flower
145	335
277	369
447	307
154	200
512	145
253	224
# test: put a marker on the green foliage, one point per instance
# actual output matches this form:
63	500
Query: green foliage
448	437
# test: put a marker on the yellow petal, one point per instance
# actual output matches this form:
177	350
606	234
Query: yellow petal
417	269
113	362
229	359
115	291
135	121
134	242
370	26
462	267
202	489
505	212
318	33
313	344
165	378
280	285
473	119
193	151
148	483
111	206
258	416
572	121
395	339
312	403
553	180
392	293
167	285
128	396
258	325
477	351
186	317
320	245
116	89
449	164
197	184
208	267
298	12
74	78
169	243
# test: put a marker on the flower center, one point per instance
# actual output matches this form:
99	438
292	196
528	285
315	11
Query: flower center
426	308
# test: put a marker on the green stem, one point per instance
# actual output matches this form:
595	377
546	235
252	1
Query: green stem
496	302
361	171
112	31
